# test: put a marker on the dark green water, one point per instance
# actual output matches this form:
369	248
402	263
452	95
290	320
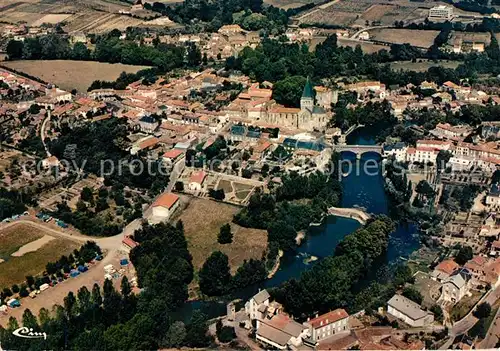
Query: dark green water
363	188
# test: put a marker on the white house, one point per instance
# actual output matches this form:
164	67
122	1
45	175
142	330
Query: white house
196	180
398	150
328	324
493	196
165	205
456	286
408	311
252	306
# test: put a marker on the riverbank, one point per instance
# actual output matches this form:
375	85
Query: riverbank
273	271
354	213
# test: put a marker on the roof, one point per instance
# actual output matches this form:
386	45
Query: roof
197	177
275	335
407	307
166	200
261	296
447	266
460	278
308	90
284	324
328	318
128	241
173	154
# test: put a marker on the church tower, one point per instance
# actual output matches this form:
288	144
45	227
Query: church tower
307	99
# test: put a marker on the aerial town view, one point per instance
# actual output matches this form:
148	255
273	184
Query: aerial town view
249	174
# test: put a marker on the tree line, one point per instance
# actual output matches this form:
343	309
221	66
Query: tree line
282	216
329	284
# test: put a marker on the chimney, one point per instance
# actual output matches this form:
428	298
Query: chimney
316	315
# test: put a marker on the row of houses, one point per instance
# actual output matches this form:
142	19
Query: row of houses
464	155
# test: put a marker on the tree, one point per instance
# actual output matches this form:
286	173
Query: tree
282	233
193	55
87	194
196	335
217	194
175	335
225	236
289	90
464	254
29	320
215	276
438	313
483	310
179	186
126	289
402	275
442	159
413	294
15	49
423	188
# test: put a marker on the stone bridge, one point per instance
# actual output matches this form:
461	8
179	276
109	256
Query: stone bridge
358	149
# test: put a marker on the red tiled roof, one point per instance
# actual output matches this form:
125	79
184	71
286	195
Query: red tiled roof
197	177
173	154
328	318
166	200
447	266
128	241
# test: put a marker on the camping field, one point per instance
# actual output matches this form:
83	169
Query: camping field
68	74
26	249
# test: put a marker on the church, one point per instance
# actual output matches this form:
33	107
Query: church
256	106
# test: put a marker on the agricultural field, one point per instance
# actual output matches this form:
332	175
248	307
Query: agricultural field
363	13
202	219
419	38
92	16
69	75
367	47
423	65
26	249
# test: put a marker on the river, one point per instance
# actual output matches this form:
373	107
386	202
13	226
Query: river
364	188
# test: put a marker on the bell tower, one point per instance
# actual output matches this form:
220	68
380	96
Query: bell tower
307	99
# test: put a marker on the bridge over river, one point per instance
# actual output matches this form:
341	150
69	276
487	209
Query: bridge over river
358	149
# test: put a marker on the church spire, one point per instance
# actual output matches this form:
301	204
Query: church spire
308	90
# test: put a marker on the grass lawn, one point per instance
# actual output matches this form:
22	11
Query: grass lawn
15	236
242	195
463	306
241	186
15	269
202	221
225	185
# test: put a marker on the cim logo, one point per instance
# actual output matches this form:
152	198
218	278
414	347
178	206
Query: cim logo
28	333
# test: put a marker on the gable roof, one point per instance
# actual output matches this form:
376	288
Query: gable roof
166	200
328	318
197	177
447	266
407	307
261	296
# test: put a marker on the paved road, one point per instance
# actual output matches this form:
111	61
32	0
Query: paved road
113	253
491	338
462	326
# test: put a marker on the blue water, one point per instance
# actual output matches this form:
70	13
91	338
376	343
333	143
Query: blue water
363	187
